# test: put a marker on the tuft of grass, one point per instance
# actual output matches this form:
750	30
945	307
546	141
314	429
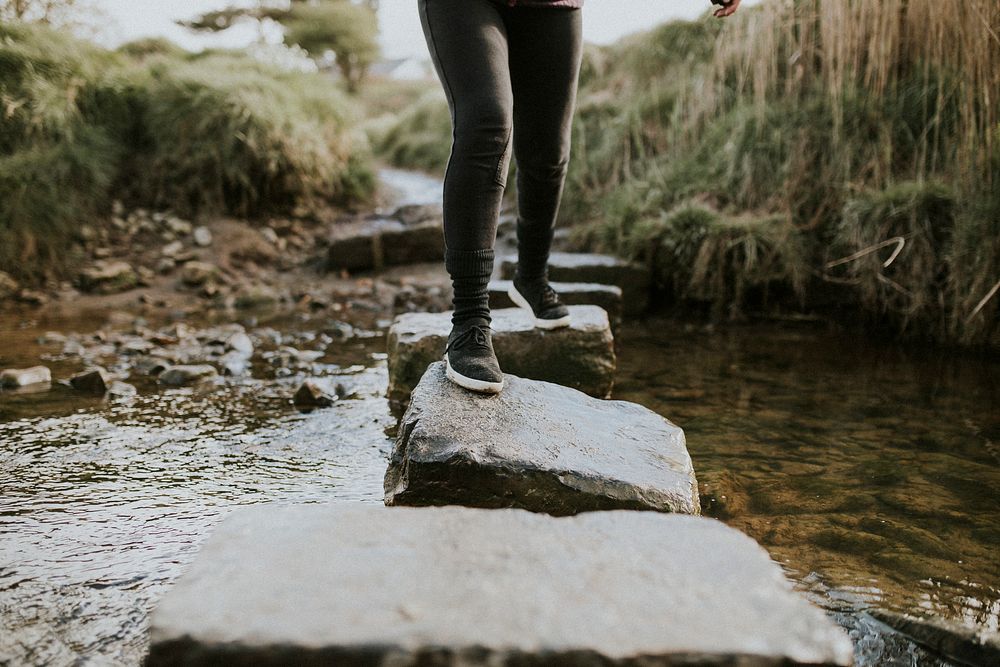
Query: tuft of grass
419	137
914	224
226	133
159	127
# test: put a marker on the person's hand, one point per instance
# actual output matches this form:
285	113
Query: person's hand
727	9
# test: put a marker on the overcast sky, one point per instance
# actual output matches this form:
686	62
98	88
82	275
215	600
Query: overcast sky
117	21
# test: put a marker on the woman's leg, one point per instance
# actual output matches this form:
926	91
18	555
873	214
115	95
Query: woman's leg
546	46
467	41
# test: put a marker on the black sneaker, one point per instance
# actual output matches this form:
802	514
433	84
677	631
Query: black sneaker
470	360
539	299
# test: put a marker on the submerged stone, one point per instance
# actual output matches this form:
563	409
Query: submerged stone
571	267
356	584
179	376
23	377
536	446
581	355
608	297
968	644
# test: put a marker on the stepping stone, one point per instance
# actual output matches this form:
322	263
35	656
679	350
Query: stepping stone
633	279
537	446
374	244
608	297
357	584
581	355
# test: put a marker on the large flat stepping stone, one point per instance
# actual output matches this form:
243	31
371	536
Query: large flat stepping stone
608	297
537	446
581	355
374	244
571	267
355	584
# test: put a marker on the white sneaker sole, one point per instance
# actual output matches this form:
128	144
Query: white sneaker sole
480	386
521	302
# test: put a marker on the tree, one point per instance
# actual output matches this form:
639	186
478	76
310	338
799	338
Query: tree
347	29
46	11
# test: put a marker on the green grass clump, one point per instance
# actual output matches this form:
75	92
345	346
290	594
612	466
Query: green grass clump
224	132
155	126
419	137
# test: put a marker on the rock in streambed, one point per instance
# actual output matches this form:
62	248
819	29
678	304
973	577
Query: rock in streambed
571	267
357	584
608	297
536	446
23	377
581	355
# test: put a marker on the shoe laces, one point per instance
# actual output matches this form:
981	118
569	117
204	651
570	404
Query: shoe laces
473	336
548	297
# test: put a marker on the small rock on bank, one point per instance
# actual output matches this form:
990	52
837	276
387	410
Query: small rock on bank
179	376
109	277
356	584
23	377
537	446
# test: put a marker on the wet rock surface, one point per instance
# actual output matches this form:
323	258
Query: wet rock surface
359	584
22	377
967	644
537	446
633	279
608	297
580	356
312	394
91	381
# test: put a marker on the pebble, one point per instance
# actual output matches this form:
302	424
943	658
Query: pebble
8	286
178	376
311	395
240	342
177	225
22	377
94	381
196	274
172	249
202	236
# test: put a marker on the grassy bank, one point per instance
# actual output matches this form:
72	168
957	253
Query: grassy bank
804	154
157	127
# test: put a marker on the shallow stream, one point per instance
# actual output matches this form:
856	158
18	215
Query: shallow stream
869	471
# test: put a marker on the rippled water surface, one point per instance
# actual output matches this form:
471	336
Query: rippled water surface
869	472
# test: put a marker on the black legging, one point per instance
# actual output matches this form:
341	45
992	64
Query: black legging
510	76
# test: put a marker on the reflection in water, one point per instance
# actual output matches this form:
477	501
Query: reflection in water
869	473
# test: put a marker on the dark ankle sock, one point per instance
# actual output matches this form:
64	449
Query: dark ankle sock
470	272
533	245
